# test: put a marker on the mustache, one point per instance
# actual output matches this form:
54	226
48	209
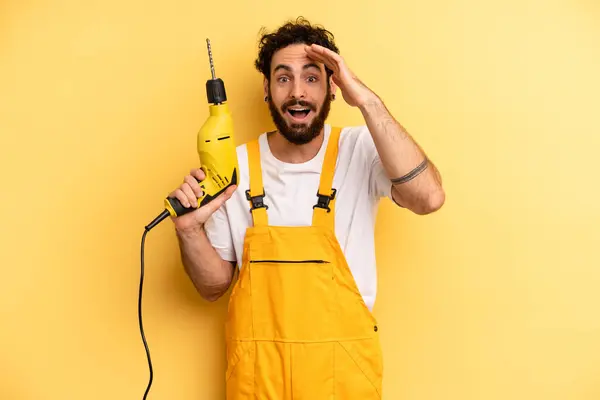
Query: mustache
301	103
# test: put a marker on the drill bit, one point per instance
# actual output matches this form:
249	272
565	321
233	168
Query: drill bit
210	58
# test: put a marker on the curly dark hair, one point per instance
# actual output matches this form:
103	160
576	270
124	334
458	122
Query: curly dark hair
292	32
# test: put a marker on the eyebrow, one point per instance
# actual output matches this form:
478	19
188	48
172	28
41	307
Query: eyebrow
288	68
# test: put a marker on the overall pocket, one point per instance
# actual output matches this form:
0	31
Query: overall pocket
358	369
292	299
239	376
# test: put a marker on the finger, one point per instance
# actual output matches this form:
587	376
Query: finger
325	52
190	180
198	174
329	63
229	192
312	53
334	56
220	200
191	197
179	195
340	70
223	197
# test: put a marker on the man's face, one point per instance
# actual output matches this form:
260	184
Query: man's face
299	94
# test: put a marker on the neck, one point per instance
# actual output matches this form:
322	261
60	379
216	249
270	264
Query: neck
293	153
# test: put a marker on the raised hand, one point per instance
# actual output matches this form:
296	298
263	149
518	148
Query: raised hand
354	92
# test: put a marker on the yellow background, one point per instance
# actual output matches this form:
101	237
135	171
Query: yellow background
495	297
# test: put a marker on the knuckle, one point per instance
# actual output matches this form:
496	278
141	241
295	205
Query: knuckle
188	190
180	195
199	177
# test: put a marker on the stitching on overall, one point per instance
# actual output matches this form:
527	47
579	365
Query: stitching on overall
359	367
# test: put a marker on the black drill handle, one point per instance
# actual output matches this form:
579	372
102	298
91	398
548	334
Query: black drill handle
207	198
180	209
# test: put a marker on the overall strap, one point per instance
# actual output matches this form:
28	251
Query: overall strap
324	210
256	193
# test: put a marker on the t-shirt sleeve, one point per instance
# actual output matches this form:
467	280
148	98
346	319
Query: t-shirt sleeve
218	231
379	183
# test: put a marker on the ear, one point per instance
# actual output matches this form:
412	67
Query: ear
265	87
333	87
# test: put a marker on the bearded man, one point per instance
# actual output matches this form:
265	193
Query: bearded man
299	228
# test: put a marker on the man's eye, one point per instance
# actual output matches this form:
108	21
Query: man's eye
312	79
283	79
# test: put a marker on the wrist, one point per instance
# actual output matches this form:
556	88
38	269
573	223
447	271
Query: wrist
370	103
189	231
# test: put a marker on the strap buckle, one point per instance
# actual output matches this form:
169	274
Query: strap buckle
323	200
257	201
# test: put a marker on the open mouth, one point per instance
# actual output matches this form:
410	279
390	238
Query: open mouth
298	113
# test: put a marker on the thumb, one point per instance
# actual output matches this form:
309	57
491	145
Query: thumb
207	210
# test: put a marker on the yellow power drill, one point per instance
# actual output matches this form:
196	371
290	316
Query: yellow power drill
218	160
216	149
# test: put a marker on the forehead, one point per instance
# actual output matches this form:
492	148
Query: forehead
294	58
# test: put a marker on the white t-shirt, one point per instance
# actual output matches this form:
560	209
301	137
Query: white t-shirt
290	193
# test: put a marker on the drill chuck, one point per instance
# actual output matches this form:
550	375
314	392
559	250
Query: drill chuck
215	91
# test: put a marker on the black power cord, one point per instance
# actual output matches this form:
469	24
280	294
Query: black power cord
151	225
140	314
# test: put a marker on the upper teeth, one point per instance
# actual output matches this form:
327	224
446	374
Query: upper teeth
298	109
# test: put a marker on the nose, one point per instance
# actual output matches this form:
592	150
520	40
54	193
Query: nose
298	91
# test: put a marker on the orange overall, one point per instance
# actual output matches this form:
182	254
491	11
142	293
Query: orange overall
297	326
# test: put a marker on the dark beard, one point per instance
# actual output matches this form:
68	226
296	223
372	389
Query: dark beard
300	133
